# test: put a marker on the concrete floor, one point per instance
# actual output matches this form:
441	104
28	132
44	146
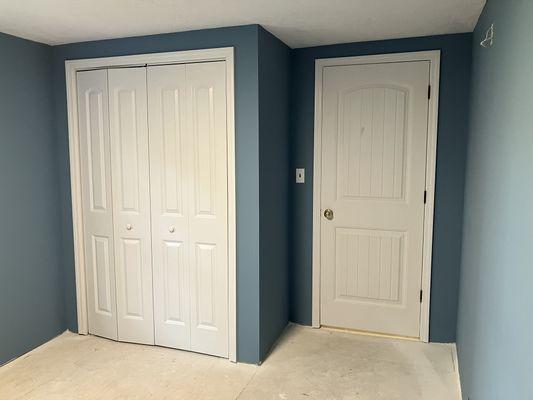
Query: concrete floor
306	364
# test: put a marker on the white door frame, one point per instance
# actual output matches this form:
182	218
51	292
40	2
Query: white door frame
180	57
434	58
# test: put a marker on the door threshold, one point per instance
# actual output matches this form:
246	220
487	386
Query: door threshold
369	333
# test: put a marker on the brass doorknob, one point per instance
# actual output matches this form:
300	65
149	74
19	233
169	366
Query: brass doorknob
328	213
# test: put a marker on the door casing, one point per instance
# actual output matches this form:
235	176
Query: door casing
180	57
431	157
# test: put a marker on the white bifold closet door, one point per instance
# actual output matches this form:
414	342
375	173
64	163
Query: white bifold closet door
188	166
153	146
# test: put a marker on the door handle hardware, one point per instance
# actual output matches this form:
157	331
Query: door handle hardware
328	213
171	229
129	227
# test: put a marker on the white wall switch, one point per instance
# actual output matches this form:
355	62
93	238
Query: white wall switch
300	175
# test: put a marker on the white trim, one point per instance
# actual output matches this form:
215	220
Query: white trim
204	55
434	58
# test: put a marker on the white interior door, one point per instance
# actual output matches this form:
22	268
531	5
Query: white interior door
374	132
170	183
131	203
97	202
187	109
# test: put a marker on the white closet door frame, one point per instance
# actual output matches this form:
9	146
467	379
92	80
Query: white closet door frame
180	57
431	162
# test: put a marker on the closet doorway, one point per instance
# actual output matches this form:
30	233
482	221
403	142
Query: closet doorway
151	140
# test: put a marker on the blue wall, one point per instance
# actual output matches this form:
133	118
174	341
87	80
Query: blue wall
274	96
31	279
274	184
453	118
245	41
496	299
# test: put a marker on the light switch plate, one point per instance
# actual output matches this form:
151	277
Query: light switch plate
300	175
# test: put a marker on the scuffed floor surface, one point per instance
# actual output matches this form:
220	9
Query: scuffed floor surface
306	364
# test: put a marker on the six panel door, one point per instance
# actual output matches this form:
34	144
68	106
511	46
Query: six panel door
131	204
374	132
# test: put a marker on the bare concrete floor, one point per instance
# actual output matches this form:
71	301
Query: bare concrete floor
306	364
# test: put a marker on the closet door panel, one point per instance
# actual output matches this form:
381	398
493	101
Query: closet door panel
169	179
208	207
93	118
131	204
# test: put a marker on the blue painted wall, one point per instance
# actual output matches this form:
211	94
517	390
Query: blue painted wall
274	135
274	185
31	278
496	298
245	41
453	118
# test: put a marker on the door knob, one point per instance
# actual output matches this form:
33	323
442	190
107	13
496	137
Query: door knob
328	213
129	227
171	229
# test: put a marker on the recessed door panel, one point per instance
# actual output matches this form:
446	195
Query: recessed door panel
170	182
125	108
175	293
93	126
203	130
172	157
133	278
96	131
205	266
371	143
374	133
369	265
131	203
102	275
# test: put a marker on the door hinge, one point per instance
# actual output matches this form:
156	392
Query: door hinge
425	196
429	91
421	293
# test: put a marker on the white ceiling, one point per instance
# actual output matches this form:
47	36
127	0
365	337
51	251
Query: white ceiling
299	23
